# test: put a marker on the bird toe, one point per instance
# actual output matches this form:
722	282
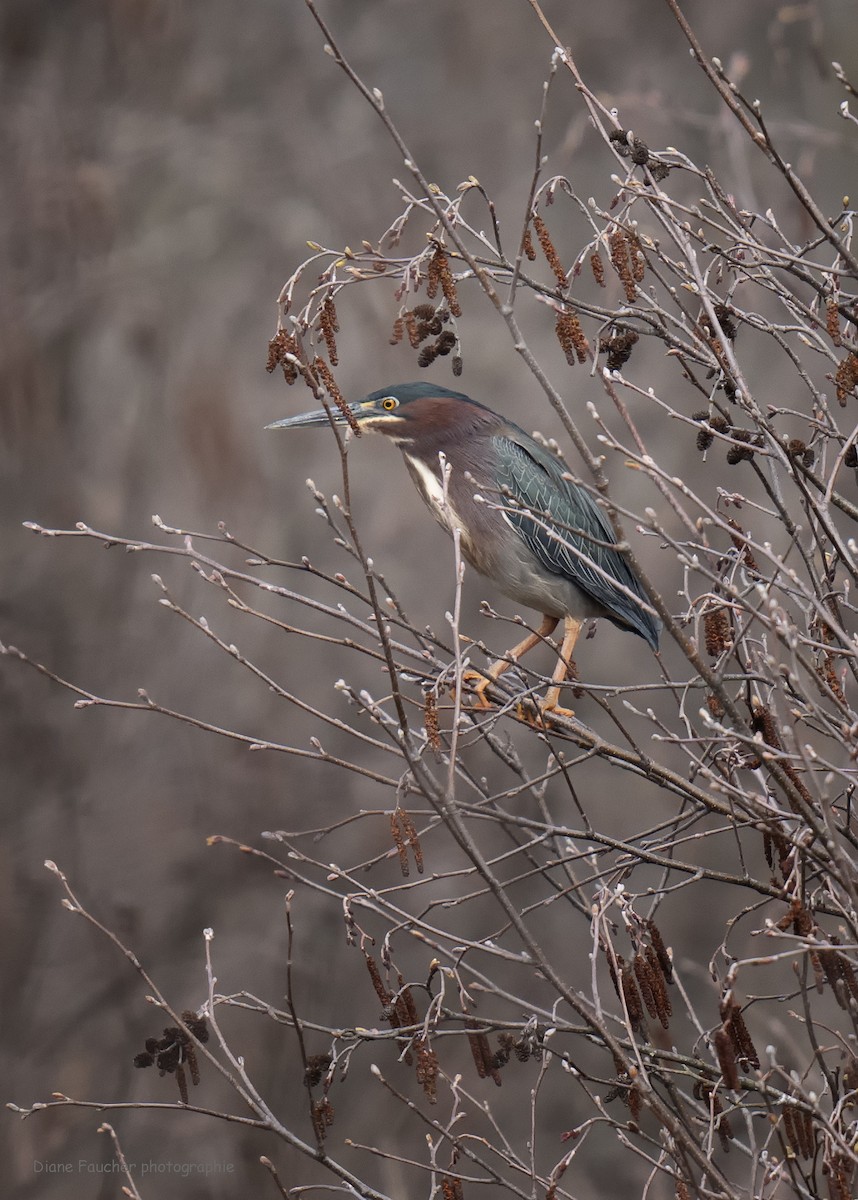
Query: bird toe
479	685
552	713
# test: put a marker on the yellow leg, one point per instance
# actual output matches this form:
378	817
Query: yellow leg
484	681
570	636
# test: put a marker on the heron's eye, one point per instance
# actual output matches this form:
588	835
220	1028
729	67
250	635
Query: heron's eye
389	403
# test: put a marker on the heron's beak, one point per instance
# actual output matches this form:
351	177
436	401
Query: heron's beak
319	417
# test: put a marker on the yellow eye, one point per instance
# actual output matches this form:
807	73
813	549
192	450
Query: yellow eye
389	403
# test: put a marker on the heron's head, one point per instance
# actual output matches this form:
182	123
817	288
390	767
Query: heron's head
408	413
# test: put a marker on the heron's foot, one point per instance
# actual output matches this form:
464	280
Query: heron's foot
550	712
541	714
527	711
480	685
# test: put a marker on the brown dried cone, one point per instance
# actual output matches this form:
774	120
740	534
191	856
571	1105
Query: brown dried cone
828	673
549	250
800	452
767	849
826	670
630	994
330	327
522	1047
681	1189
410	831
630	147
448	284
281	345
798	917
840	974
742	450
394	1011
317	1065
734	1025
663	1005
647	984
301	368
597	266
415	336
439	275
716	626
571	336
798	1127
197	1025
706	436
763	722
451	1187
847	973
657	941
840	1170
406	1014
618	349
619	140
428	323
433	277
802	924
727	321
635	1102
324	372
193	1065
427	312
171	1052
430	721
726	1055
446	342
745	1049
399	843
380	990
406	1008
427	1069
846	378
850	1080
618	246
501	1056
740	540
638	260
832	320
482	1054
816	964
323	1117
774	841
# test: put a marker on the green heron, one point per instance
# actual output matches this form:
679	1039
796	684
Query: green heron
524	525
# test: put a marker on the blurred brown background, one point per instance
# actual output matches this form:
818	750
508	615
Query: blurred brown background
163	164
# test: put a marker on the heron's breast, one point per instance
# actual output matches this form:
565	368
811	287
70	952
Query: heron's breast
441	505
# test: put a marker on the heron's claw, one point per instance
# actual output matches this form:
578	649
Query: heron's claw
480	684
548	712
541	714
